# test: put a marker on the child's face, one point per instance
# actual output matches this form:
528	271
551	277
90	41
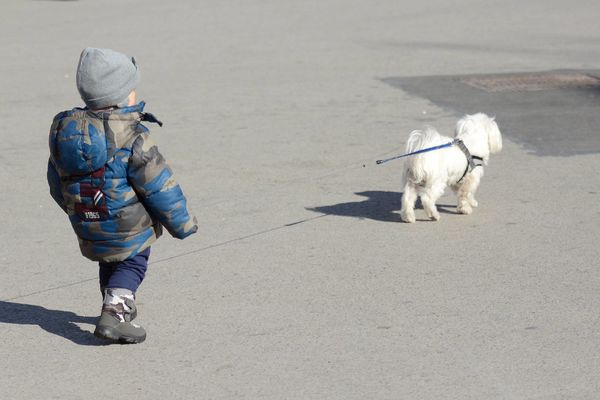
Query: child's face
131	101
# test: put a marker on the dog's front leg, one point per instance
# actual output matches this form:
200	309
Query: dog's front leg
463	193
472	200
466	192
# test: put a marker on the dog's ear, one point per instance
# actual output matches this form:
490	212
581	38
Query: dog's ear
462	126
494	137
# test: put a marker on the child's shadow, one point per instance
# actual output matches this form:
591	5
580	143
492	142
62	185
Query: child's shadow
61	323
379	205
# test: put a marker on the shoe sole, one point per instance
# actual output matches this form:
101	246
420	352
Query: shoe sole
112	335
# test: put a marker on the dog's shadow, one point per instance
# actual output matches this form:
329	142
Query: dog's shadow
57	322
379	205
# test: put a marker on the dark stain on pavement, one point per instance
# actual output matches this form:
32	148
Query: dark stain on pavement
549	113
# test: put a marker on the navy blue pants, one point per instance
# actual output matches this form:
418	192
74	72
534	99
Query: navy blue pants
127	274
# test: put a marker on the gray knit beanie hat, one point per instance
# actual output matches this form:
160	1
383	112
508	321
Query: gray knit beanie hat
105	77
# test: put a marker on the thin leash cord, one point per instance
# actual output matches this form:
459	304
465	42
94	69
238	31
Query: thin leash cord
338	170
452	143
152	263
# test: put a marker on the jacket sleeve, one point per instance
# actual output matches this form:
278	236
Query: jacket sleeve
154	183
54	184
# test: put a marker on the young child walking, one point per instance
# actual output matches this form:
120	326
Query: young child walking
106	173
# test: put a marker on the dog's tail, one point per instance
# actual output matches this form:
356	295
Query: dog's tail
416	167
419	139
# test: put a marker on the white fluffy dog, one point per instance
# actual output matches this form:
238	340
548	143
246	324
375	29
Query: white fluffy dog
459	166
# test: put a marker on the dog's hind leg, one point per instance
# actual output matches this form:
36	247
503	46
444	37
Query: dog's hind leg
409	197
429	196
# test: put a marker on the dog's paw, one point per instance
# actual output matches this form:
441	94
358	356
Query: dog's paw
473	202
432	214
408	217
464	209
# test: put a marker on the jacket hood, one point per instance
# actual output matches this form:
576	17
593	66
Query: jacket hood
82	141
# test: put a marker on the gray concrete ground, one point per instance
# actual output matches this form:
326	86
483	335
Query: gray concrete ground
302	283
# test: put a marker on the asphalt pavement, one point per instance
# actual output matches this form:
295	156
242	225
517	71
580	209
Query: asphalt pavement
302	282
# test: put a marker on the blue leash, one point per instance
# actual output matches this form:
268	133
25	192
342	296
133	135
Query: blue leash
452	143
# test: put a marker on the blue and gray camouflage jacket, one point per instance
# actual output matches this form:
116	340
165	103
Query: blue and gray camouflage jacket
106	173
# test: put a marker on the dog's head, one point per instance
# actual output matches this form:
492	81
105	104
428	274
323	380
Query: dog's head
480	134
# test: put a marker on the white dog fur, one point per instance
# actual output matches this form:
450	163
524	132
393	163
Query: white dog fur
427	174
